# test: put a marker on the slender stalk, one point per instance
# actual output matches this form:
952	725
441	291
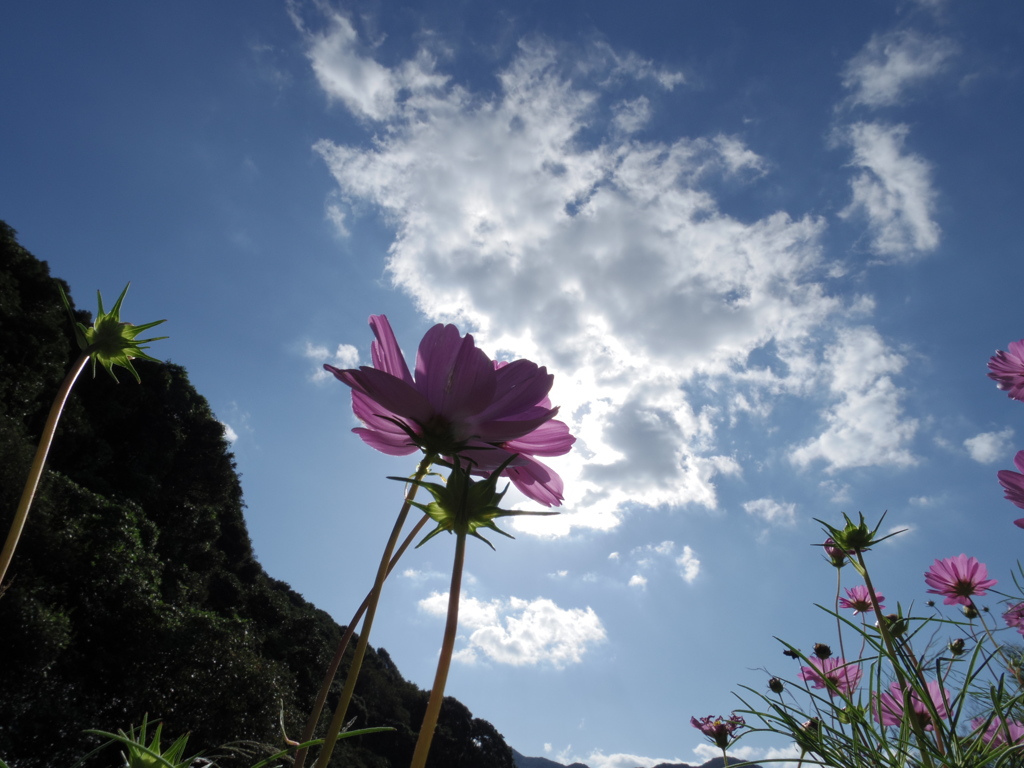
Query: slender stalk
334	730
419	757
332	669
36	470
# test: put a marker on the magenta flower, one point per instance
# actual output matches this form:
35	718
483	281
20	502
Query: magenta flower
1007	370
958	578
888	708
1015	617
459	402
997	731
718	729
1013	484
835	674
859	599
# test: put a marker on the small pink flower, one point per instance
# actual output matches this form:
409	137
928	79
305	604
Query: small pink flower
1013	484
997	730
888	708
718	729
1015	617
958	578
1007	370
835	674
860	600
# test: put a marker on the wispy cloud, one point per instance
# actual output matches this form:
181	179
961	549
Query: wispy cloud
866	425
892	63
771	511
521	632
894	191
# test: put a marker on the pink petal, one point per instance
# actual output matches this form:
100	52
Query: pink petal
456	378
552	438
519	385
387	355
537	481
392	393
504	430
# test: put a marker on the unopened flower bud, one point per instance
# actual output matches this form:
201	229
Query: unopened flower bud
775	685
970	611
791	653
956	647
835	555
896	625
822	651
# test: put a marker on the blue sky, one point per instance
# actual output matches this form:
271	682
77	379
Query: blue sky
766	248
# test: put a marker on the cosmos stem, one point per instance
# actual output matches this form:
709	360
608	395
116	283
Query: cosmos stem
338	721
890	644
419	758
36	470
332	668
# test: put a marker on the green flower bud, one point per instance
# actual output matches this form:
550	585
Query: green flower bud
111	342
956	647
775	685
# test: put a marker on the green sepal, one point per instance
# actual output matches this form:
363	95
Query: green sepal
464	505
110	341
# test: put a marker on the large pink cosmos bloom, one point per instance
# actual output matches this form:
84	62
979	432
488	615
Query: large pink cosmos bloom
1013	484
844	677
459	402
888	708
958	579
1007	370
859	599
998	729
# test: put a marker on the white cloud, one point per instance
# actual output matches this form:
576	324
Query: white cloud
598	759
783	757
689	565
772	511
521	632
368	89
893	62
989	447
866	426
636	580
607	259
345	356
229	434
894	191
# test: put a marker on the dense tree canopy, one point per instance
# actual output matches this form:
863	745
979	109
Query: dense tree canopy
135	590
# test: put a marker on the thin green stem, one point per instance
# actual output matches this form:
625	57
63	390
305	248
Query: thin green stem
36	470
332	669
338	721
419	757
890	644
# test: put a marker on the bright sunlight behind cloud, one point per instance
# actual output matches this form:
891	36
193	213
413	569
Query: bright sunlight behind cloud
556	213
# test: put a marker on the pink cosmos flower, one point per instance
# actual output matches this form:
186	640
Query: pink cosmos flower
835	674
1013	484
998	729
958	578
860	600
459	402
718	729
888	708
1015	617
1007	370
